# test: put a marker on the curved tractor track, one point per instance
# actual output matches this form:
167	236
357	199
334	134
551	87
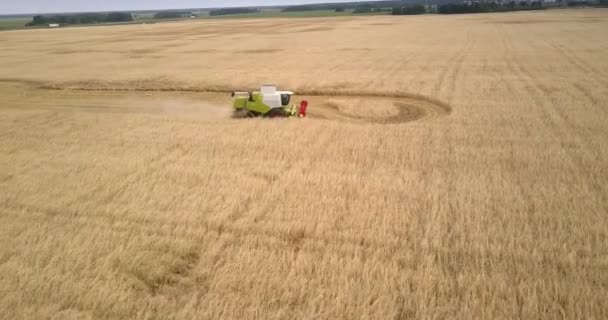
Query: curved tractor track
342	106
375	108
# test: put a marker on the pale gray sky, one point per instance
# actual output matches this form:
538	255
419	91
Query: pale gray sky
49	6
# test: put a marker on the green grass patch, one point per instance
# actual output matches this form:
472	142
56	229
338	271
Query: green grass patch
13	23
292	14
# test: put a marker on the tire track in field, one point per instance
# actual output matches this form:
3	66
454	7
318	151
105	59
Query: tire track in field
456	74
454	65
407	110
410	107
587	94
507	55
456	70
557	121
436	234
595	75
580	64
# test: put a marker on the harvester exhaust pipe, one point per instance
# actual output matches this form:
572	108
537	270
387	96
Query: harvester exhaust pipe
303	106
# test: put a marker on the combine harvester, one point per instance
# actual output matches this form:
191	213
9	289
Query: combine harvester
268	102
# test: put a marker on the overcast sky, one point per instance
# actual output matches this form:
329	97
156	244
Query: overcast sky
49	6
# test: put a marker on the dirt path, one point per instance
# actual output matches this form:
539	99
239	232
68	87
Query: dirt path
213	103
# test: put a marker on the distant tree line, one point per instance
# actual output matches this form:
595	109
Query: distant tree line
303	8
172	14
227	11
587	3
402	7
368	8
413	9
81	18
479	7
317	7
364	8
357	7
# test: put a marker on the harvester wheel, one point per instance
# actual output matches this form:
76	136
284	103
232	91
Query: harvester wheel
275	113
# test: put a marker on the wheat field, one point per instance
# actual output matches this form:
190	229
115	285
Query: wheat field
451	167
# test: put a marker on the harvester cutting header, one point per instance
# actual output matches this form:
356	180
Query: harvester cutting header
268	102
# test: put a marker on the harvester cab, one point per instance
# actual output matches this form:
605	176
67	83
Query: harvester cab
268	102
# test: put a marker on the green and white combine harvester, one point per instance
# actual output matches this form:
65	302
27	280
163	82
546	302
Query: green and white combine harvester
268	102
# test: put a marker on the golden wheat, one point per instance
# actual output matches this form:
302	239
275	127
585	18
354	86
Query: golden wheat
452	167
